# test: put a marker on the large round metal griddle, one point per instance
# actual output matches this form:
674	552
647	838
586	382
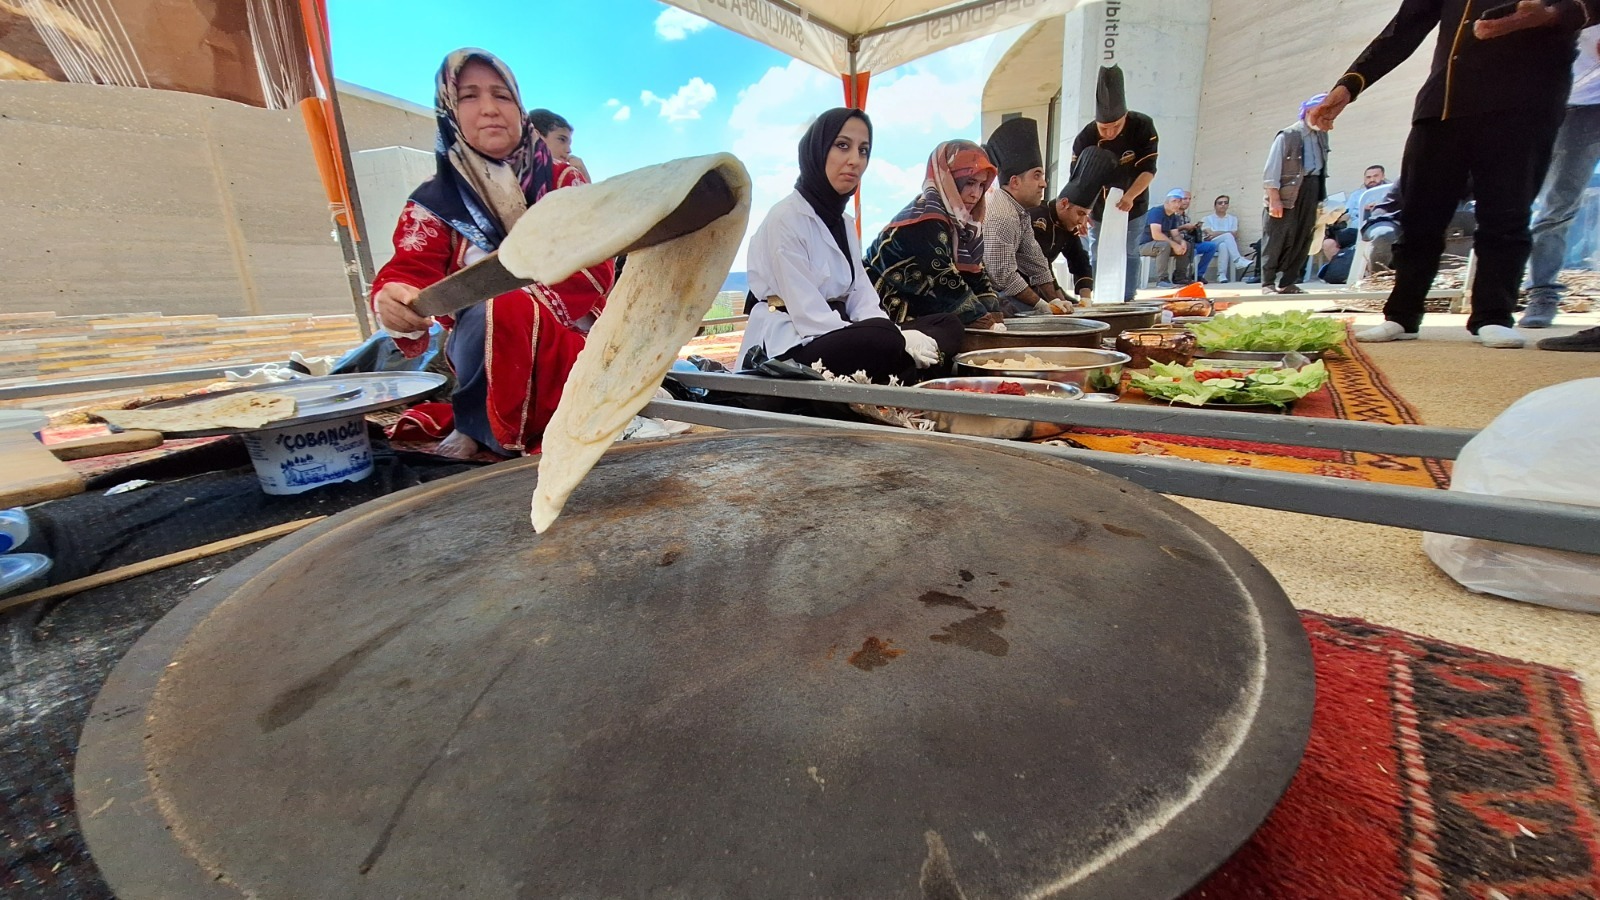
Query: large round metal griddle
780	664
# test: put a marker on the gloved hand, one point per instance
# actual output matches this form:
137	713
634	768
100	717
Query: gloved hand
1043	308
923	349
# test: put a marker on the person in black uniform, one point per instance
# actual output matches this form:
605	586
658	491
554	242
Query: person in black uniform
1058	226
1487	114
1131	138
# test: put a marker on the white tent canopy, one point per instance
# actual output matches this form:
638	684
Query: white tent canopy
852	37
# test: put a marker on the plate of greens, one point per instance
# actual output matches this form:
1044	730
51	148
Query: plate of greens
1297	331
1202	386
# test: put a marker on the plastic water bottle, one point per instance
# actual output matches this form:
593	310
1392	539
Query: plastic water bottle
13	529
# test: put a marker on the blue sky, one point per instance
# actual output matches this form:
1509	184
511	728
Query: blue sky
643	82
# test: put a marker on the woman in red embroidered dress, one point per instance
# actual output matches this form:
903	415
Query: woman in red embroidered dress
511	354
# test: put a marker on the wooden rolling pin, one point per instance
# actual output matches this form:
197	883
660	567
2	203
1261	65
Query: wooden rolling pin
106	444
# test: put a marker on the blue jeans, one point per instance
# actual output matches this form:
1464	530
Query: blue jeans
1571	165
1205	252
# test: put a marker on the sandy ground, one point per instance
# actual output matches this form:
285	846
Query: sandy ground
1380	574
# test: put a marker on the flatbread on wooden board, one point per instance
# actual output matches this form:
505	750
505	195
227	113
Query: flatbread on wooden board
654	309
247	410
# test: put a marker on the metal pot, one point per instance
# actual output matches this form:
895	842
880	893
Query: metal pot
1162	345
1037	331
1123	316
992	426
1092	370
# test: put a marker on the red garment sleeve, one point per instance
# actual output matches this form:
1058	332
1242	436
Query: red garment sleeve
422	256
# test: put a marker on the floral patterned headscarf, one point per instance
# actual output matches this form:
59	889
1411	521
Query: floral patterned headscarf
481	197
953	165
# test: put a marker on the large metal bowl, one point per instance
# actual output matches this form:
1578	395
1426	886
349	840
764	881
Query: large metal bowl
992	426
1092	370
1122	316
1037	331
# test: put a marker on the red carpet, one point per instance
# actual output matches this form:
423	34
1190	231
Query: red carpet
1434	771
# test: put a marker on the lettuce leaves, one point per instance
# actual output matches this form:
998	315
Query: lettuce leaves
1279	387
1295	330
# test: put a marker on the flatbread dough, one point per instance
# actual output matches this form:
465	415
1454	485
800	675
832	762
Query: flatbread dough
245	410
654	309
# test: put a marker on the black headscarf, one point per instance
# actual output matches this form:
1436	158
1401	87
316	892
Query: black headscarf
813	181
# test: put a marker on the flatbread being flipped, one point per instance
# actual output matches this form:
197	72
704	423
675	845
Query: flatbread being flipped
245	410
655	308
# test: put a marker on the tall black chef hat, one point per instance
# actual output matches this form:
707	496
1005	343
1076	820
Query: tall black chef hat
1014	147
1110	96
1093	169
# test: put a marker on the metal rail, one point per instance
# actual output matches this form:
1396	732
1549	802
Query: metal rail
1333	434
1559	526
112	382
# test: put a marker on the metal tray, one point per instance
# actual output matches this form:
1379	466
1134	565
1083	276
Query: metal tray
322	397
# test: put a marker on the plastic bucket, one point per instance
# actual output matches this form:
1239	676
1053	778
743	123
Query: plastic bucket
296	459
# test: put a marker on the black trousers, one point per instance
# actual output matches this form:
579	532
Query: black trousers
1503	158
1286	241
876	347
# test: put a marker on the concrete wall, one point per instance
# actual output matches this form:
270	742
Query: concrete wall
1161	46
130	200
1262	60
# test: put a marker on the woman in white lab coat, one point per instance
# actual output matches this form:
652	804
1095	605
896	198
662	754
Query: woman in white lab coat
810	300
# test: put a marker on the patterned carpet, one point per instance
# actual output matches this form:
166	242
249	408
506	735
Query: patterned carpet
1433	771
1356	391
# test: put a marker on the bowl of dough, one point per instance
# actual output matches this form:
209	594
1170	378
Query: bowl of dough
1088	369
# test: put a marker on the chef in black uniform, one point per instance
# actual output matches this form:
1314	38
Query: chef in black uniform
1131	138
1058	225
1487	115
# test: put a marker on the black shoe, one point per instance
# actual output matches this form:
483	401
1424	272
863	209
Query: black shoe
1585	341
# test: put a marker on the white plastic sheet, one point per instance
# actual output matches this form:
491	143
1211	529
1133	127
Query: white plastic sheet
1111	251
1545	447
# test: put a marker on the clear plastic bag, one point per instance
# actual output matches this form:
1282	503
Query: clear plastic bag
1546	446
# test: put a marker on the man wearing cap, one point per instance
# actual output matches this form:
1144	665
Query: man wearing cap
1486	115
1131	139
1058	226
1011	256
1296	181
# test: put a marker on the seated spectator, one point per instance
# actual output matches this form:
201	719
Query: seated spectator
1171	239
1340	249
1222	228
1204	251
1362	201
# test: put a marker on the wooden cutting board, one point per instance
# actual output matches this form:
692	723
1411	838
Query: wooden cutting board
30	474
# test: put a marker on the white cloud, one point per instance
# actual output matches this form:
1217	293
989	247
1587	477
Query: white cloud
686	103
622	114
613	103
674	24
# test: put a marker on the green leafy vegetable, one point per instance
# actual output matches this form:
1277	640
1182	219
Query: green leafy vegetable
1295	330
1198	387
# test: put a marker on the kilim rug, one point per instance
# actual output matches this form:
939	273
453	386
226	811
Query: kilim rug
1356	391
1433	771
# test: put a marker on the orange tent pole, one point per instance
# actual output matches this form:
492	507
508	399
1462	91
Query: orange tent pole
855	97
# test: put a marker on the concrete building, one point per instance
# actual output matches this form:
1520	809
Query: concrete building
1220	77
132	200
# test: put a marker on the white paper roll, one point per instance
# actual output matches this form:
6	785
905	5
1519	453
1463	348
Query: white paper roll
1110	251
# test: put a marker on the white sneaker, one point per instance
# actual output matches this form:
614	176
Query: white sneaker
1500	337
1386	332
